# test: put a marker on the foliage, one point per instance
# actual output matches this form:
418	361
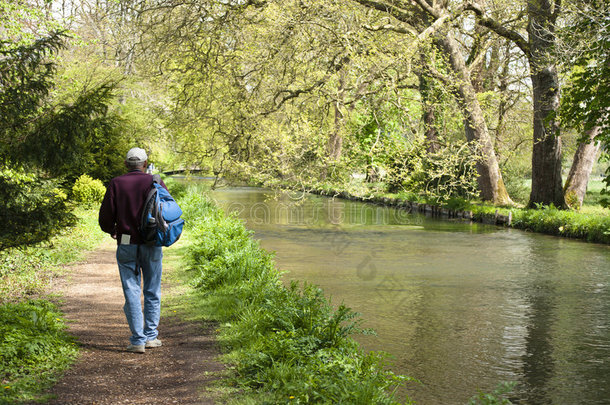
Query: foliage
553	221
497	397
27	271
438	176
25	81
32	210
88	191
177	188
34	348
45	143
22	22
587	50
286	343
66	135
80	137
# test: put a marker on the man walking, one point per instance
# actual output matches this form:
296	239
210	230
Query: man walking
120	217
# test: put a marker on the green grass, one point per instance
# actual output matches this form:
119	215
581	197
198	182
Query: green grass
282	344
27	272
34	347
591	203
590	223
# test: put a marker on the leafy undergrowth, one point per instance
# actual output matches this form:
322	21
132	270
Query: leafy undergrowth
34	349
27	271
571	224
284	344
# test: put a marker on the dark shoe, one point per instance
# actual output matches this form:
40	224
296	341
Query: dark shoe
136	349
154	343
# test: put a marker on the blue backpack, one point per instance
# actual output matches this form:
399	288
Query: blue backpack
161	224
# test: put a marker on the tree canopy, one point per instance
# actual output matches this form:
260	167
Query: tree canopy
407	94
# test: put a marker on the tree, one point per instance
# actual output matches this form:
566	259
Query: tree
47	137
425	20
538	48
578	179
586	47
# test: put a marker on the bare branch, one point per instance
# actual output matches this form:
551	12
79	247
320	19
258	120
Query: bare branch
392	10
498	28
390	27
429	9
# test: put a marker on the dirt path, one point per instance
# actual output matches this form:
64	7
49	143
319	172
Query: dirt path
176	373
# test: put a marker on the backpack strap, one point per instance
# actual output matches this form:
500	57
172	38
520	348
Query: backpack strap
156	178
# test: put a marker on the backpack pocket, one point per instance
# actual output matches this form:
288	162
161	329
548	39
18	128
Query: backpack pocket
174	230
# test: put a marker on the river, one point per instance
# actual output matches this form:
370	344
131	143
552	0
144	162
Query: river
459	306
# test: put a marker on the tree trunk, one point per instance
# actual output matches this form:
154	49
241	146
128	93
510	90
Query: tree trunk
546	154
335	142
584	158
429	117
490	181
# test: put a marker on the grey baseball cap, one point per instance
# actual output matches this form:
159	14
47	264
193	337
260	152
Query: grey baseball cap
136	155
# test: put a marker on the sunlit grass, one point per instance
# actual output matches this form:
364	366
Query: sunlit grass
283	344
27	271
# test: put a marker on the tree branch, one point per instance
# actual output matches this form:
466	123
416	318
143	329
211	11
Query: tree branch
498	28
390	27
392	10
290	94
427	8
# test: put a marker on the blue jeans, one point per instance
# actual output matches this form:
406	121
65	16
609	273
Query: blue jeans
131	260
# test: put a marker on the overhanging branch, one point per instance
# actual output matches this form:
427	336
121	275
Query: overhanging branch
498	28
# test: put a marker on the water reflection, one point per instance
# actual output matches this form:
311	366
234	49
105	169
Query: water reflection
460	307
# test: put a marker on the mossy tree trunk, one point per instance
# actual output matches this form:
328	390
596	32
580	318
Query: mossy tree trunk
546	153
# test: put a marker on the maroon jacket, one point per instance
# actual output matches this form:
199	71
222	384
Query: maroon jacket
122	206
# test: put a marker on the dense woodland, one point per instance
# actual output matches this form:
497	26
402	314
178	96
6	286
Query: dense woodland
445	99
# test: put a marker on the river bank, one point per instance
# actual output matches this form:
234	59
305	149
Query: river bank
546	220
284	344
459	305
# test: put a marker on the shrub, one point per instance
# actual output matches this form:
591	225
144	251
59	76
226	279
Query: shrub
88	191
34	208
439	176
176	188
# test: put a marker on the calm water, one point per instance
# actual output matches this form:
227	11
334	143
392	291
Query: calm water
459	306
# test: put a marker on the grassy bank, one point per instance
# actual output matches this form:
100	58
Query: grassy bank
283	344
34	346
590	223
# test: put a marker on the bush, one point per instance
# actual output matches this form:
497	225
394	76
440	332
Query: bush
176	188
88	191
33	208
439	176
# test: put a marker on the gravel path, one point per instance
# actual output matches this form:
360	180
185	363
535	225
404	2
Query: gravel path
176	373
